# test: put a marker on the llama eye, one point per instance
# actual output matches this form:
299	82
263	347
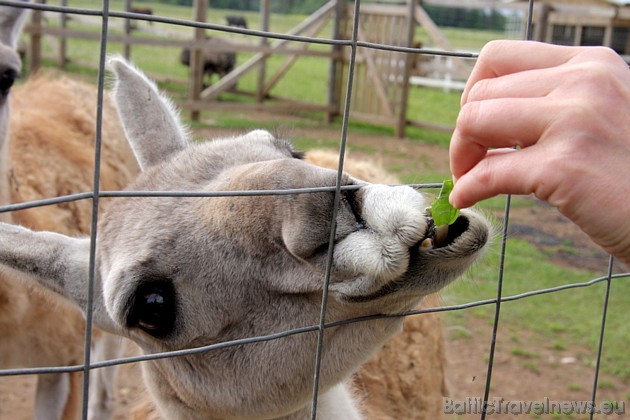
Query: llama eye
7	78
153	308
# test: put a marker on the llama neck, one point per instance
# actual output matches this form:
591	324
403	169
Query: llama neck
337	403
5	193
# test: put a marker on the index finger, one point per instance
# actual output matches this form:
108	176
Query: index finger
499	58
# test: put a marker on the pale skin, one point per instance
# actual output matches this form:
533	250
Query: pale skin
567	112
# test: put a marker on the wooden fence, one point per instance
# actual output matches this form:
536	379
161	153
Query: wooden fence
381	83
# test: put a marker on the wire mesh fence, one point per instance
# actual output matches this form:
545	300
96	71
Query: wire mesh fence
353	44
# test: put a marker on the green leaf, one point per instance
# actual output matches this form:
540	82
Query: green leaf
441	210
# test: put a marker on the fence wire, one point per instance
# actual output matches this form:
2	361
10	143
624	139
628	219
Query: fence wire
354	43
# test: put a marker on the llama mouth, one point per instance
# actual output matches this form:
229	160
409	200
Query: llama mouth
436	237
436	243
461	241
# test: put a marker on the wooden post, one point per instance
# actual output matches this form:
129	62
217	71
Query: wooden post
264	26
36	40
336	65
231	78
127	44
286	66
195	82
608	34
63	44
542	21
404	99
423	19
577	40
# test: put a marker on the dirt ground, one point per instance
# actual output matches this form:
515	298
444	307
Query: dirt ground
560	375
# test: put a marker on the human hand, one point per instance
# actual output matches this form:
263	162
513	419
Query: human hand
567	109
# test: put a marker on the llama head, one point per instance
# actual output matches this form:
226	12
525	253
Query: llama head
11	21
181	272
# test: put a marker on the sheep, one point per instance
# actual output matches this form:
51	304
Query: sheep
236	21
46	150
180	272
214	62
143	11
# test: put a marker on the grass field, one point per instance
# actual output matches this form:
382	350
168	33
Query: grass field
562	318
431	105
568	318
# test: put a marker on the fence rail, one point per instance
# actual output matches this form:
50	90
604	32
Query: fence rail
392	92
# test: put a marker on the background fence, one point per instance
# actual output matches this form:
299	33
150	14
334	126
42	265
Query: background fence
354	47
386	72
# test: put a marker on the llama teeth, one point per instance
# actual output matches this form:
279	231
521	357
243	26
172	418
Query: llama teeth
426	244
441	234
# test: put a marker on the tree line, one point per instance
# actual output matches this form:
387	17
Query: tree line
283	7
443	16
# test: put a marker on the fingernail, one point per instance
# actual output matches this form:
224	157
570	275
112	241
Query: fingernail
453	200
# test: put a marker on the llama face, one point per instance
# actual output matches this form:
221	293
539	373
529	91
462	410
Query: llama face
10	66
11	21
156	254
186	272
182	272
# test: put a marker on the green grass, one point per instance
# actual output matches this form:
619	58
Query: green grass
603	384
531	365
461	39
278	23
567	318
559	346
307	80
526	354
423	177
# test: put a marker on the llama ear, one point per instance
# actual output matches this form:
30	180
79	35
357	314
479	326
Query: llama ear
11	21
57	262
150	120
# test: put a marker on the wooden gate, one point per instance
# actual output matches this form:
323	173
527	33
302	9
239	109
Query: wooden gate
381	79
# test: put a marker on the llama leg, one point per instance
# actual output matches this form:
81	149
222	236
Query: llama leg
51	396
102	381
337	403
